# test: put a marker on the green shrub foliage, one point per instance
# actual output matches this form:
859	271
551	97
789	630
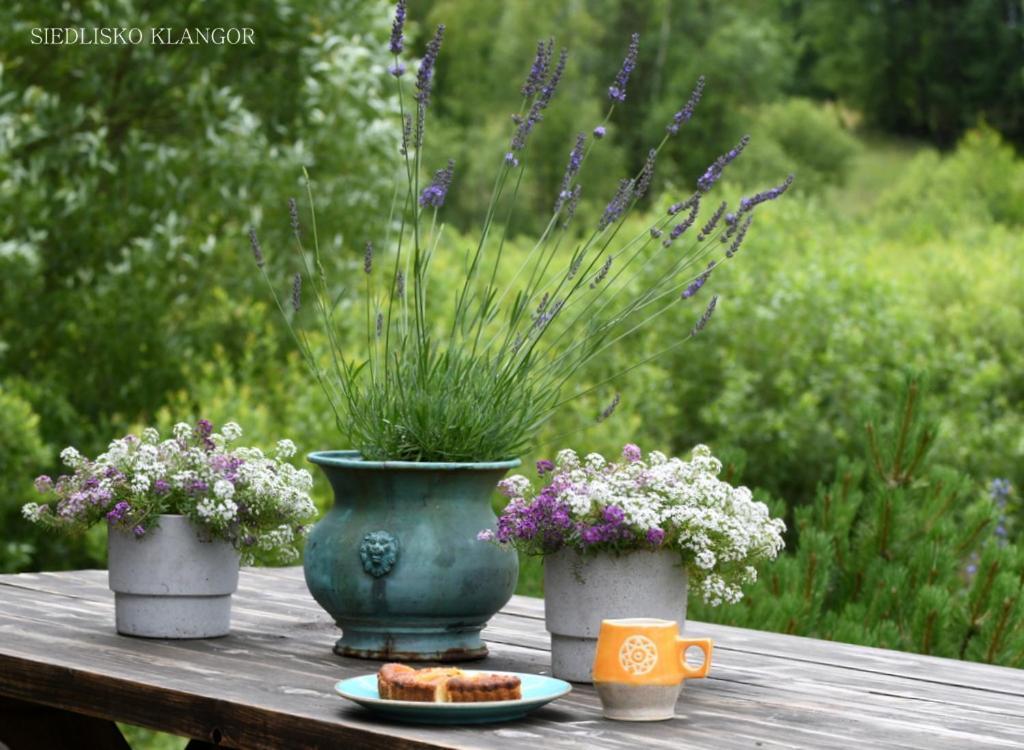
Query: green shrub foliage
898	552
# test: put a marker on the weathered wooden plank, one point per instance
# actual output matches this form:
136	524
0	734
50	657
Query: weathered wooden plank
759	726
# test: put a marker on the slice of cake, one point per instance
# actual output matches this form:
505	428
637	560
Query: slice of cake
444	685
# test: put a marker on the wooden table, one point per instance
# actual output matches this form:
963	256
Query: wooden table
65	676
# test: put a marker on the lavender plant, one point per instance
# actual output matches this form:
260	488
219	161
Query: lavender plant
480	387
259	503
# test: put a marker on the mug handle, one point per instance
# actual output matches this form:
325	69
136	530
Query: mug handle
705	645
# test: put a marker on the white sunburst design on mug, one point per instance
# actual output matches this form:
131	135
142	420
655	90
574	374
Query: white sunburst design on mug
638	655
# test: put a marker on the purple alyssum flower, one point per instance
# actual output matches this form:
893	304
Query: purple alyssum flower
544	466
43	483
434	193
396	45
655	536
139	531
631	452
683	116
118	512
617	91
161	486
713	172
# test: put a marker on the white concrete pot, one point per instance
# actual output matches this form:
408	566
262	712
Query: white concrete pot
174	582
580	591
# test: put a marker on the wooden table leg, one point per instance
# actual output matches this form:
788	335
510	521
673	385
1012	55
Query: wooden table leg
28	726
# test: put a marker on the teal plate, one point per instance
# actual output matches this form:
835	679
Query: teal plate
536	690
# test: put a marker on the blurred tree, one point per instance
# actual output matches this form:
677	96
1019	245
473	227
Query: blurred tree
128	175
920	68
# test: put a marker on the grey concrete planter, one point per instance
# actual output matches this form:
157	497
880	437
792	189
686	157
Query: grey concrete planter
171	583
580	591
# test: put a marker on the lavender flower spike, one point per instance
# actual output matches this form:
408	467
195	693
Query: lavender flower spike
539	69
617	206
297	292
293	214
712	223
711	175
397	28
610	409
526	124
697	283
735	246
703	321
766	195
601	273
646	174
683	116
617	91
571	169
368	258
257	251
434	193
425	81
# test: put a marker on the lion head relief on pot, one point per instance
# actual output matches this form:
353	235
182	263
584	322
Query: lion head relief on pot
378	552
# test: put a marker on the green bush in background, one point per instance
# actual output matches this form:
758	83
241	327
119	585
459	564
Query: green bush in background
896	552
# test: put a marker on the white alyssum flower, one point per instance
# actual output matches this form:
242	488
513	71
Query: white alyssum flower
71	457
231	431
285	449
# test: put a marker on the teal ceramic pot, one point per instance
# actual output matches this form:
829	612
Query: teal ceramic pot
396	561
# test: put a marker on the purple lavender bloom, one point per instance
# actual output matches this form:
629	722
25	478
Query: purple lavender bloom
397	70
601	273
368	258
539	69
570	208
406	135
43	483
655	536
293	215
631	452
740	234
139	531
610	409
257	251
400	284
646	175
998	489
703	320
617	205
425	81
544	466
713	172
682	226
297	292
599	132
434	193
697	283
709	227
617	91
971	569
683	116
571	169
535	115
485	536
397	40
766	195
655	233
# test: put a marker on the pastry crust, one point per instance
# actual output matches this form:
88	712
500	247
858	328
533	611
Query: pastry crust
444	685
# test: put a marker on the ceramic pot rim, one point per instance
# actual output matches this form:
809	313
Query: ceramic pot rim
350	459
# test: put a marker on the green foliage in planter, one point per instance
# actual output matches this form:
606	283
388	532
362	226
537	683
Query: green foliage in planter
897	552
22	456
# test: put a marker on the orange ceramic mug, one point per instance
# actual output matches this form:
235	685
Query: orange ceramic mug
640	666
